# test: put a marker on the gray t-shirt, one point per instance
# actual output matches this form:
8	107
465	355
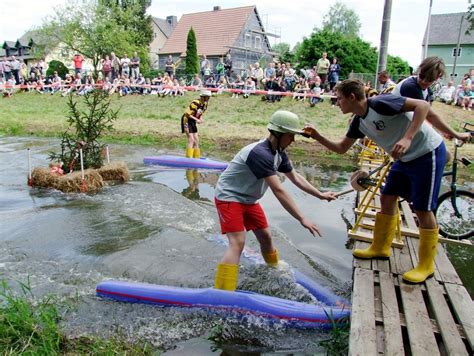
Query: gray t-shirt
244	179
386	124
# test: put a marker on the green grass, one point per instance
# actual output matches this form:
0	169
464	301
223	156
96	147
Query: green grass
230	123
29	326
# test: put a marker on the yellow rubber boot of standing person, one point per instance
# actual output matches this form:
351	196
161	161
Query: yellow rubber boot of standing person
226	277
271	258
384	232
426	256
197	153
189	152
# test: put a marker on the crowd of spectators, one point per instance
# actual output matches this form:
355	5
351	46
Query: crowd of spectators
462	95
123	76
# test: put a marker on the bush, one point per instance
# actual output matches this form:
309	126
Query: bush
57	66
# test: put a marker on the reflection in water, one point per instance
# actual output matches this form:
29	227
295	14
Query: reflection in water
196	178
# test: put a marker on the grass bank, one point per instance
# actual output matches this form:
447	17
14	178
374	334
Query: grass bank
30	326
230	122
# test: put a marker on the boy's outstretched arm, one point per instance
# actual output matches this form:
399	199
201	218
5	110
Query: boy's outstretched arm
338	147
289	204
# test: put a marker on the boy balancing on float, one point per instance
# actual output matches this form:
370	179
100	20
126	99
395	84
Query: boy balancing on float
189	122
397	124
245	181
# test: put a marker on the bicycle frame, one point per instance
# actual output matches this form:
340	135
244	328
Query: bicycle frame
454	176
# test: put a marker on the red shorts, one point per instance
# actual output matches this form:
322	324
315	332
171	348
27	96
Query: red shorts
235	217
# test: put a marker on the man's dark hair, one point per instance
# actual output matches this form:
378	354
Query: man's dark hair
352	86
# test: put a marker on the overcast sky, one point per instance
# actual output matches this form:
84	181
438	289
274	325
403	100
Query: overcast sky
293	19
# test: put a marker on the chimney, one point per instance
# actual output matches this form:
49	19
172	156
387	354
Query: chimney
172	20
217	8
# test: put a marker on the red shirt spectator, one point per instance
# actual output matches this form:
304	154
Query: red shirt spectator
78	59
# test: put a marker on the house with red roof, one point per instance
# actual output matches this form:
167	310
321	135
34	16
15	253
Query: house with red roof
238	31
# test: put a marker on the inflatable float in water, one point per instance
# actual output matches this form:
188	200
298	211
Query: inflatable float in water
294	314
185	162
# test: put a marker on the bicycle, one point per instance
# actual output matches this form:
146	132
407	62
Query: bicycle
455	210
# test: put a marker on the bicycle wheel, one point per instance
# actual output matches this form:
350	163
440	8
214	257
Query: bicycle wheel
450	225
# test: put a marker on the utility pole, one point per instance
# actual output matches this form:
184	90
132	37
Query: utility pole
383	48
427	37
457	48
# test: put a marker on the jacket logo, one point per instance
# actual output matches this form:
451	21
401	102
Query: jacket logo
379	125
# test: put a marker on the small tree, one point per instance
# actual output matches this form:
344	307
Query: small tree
192	60
85	128
57	66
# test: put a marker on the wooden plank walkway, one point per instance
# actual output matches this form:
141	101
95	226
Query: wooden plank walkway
391	317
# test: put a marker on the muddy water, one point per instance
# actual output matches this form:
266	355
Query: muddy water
161	227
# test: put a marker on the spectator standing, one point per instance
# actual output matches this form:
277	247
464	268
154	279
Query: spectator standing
23	71
228	66
135	65
125	63
170	66
78	61
7	68
107	67
42	67
322	68
2	68
204	63
334	71
115	66
257	75
289	77
206	72
220	69
269	72
15	65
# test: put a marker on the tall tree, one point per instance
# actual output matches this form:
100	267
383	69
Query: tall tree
192	59
87	28
132	15
342	19
284	53
354	54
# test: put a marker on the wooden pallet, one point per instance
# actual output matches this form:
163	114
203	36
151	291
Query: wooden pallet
392	317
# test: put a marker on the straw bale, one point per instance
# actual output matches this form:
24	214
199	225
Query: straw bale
69	183
116	171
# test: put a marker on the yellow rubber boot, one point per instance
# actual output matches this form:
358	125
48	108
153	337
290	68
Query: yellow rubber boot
271	258
384	232
189	152
189	176
197	153
226	277
426	256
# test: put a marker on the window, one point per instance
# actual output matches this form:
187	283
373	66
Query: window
258	42
248	40
456	53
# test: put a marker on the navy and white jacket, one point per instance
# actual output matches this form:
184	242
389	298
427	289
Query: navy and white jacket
386	123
